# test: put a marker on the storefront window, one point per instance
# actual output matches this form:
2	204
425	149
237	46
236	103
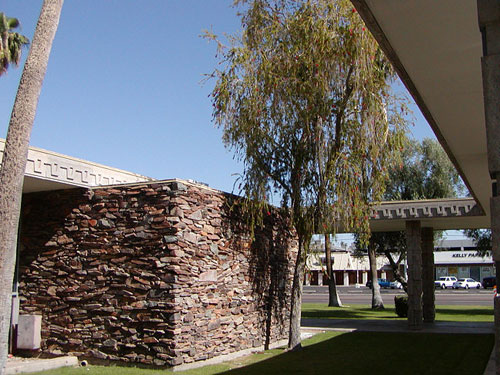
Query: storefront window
463	272
453	271
475	273
441	271
487	271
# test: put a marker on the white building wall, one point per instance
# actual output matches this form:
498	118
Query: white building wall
365	277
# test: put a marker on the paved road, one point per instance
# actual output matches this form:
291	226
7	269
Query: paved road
362	296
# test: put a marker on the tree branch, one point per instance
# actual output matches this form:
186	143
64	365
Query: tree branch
395	270
340	115
262	165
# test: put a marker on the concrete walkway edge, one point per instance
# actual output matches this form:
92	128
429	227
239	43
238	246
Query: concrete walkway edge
490	367
37	364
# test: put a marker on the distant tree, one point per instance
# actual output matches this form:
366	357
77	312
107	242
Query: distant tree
392	244
425	173
15	155
371	248
482	239
11	42
333	296
304	100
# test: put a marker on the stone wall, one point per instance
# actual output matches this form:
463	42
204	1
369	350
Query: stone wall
157	274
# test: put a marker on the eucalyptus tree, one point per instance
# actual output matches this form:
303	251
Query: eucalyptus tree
15	155
11	42
303	99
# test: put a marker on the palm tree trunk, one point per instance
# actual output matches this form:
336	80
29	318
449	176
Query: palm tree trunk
15	154
377	302
333	297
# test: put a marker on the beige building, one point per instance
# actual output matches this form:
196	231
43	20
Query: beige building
451	258
349	269
463	264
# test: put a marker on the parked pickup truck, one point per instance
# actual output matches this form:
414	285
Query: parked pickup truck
445	282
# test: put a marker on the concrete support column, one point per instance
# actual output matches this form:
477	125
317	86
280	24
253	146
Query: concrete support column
364	277
429	308
414	253
495	248
346	278
489	25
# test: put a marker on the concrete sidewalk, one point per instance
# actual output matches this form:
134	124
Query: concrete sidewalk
350	325
18	365
396	326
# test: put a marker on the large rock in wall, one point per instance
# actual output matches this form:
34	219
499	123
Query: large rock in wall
158	274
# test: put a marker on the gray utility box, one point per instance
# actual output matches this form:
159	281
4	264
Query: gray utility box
29	329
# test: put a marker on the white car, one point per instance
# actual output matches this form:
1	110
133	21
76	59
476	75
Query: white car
445	282
396	285
466	284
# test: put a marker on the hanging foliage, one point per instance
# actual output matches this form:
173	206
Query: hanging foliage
304	100
303	97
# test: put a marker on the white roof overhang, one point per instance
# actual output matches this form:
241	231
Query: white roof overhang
48	170
436	48
439	214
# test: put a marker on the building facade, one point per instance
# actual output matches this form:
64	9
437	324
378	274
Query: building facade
163	273
464	264
451	258
349	268
460	258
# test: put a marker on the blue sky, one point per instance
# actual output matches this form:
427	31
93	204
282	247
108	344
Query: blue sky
123	86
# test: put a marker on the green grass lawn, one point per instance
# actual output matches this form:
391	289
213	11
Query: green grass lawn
381	353
348	353
443	313
355	352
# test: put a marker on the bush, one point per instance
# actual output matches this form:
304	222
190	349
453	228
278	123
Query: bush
401	303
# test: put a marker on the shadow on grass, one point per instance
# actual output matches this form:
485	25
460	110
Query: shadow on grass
465	311
345	313
381	353
443	313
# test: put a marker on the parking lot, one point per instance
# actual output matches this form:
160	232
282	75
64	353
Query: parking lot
362	295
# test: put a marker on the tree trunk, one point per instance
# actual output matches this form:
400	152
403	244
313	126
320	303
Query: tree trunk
377	302
395	270
15	154
296	300
333	297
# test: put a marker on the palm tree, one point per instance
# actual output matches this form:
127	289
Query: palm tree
11	42
15	154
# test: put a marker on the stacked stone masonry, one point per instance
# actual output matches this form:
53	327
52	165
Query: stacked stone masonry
160	274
